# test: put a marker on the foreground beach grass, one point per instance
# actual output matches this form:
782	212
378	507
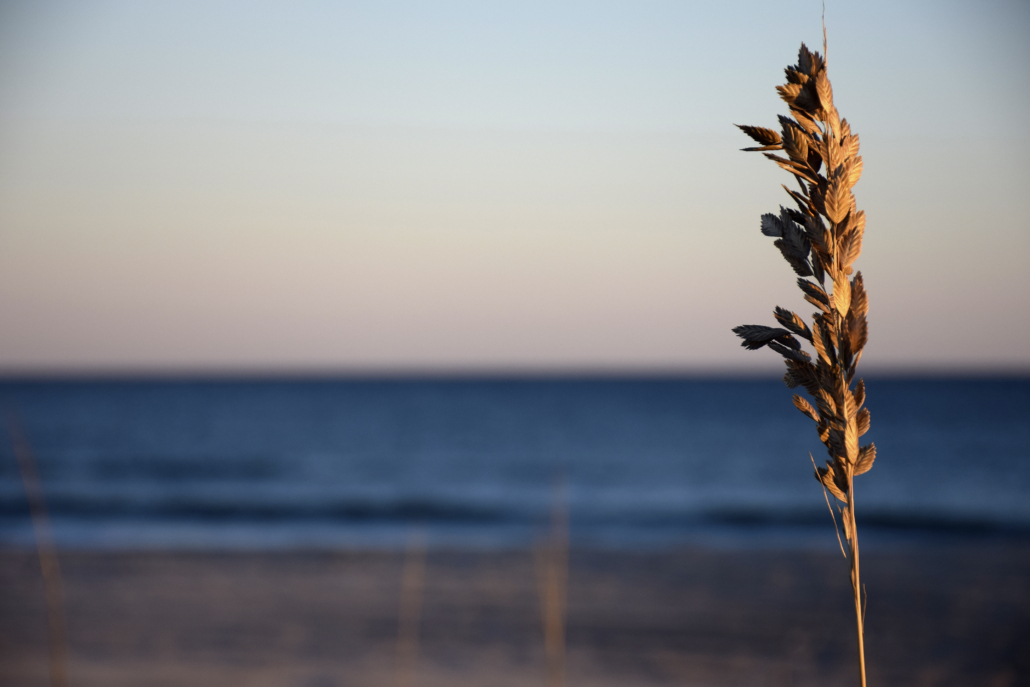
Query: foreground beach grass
821	239
944	614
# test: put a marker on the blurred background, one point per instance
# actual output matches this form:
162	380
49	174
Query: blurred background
339	334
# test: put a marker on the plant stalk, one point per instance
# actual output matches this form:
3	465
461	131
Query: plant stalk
49	567
856	582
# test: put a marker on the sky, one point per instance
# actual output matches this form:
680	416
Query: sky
305	187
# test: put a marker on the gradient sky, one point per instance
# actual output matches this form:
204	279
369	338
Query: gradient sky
214	186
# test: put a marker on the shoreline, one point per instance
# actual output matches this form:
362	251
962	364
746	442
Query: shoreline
743	532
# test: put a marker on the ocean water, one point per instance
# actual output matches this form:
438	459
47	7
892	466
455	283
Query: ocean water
485	462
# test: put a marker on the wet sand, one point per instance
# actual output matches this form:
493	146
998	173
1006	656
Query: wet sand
944	614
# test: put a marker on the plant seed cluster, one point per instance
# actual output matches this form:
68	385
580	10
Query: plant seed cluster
821	239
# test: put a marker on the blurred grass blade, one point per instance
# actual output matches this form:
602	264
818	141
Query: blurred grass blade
48	563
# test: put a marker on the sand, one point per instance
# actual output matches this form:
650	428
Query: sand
953	613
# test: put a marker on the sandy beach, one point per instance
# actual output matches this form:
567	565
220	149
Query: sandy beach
947	614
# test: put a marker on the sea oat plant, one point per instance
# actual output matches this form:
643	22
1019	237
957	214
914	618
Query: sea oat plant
821	239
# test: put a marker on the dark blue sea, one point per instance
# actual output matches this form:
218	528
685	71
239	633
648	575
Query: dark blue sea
645	462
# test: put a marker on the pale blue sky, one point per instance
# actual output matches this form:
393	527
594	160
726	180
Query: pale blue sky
383	186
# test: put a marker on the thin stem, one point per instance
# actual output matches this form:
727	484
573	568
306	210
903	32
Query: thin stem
856	582
51	570
410	613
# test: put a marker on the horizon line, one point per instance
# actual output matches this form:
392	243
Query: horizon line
386	373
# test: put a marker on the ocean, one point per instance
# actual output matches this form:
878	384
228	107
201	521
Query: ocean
478	462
